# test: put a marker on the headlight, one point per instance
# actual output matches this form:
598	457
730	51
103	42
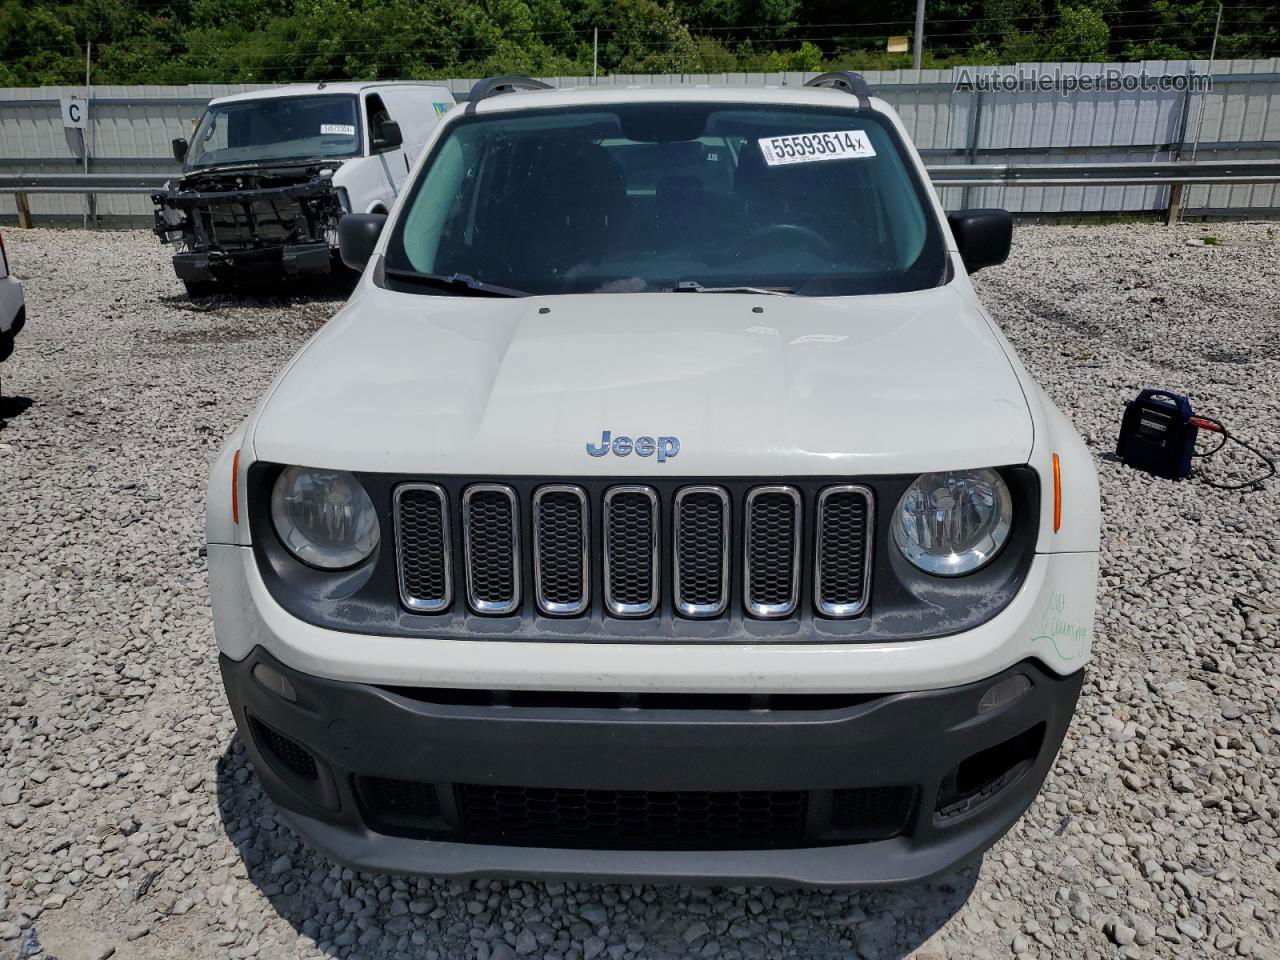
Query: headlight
324	517
953	523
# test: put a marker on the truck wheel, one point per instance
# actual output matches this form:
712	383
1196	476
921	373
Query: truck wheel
200	288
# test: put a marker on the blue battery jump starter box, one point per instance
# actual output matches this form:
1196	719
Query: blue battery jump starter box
1158	434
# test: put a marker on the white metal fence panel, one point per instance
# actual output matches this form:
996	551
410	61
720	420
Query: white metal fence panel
130	128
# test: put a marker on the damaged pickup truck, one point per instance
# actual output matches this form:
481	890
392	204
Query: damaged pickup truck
267	176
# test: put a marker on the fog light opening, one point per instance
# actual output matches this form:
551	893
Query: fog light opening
984	774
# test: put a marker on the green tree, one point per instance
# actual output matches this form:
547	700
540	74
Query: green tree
1081	34
270	41
645	36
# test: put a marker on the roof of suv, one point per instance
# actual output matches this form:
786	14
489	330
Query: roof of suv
510	92
303	89
579	96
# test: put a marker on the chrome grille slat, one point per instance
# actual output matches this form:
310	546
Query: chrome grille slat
561	535
491	546
771	554
631	550
700	570
423	556
842	553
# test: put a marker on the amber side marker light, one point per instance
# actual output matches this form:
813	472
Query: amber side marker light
236	487
1057	493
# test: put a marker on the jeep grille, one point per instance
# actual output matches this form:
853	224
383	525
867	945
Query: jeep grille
422	545
709	553
772	574
701	567
561	539
491	537
631	551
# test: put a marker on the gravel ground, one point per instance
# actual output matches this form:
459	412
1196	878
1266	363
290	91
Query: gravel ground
134	826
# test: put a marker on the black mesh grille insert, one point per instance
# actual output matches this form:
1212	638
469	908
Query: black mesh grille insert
286	751
491	563
633	818
872	812
842	551
700	559
561	536
423	543
398	804
629	545
771	552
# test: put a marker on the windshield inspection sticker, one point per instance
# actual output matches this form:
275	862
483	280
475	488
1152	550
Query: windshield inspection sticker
808	147
342	129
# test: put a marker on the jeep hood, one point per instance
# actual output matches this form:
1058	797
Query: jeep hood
897	383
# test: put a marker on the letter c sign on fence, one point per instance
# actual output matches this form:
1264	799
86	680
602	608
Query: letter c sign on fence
75	112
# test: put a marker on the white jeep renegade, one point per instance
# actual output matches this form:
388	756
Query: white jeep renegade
662	505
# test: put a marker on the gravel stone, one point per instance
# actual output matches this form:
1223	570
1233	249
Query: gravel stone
1158	821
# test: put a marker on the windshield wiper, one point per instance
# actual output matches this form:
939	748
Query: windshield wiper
455	281
693	286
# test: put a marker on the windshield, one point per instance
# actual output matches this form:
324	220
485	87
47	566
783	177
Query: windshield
658	197
279	128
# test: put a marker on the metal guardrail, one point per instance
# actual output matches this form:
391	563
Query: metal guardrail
1236	172
82	182
943	175
1176	175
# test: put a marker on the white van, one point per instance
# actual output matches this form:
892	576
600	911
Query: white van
268	174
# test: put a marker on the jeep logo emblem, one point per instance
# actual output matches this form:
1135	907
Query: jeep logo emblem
664	447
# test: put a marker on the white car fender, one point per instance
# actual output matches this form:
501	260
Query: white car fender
1070	514
221	512
1075	527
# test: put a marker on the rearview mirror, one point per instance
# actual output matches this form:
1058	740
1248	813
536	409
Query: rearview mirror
180	149
983	237
357	236
388	136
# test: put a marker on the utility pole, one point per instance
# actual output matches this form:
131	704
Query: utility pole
595	53
918	48
84	133
1213	52
1174	213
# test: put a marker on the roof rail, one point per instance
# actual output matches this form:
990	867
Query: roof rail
845	80
490	86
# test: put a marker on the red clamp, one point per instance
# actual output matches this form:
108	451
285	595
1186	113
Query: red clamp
1213	426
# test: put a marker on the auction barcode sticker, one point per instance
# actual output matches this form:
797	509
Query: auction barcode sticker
808	147
344	129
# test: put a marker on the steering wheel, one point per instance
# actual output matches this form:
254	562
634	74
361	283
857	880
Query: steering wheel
791	234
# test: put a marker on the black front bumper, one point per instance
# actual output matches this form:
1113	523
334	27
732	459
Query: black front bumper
859	790
290	259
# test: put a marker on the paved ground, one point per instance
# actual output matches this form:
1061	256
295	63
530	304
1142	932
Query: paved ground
133	823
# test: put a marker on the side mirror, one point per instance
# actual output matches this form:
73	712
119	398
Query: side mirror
388	136
982	236
180	148
357	236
